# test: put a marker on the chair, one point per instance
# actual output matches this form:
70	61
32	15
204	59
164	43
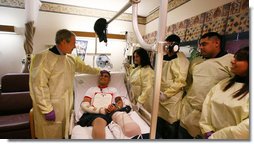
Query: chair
15	104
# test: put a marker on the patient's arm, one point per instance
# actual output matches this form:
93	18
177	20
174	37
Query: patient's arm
87	107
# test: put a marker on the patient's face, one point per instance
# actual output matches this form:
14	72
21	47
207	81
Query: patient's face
104	79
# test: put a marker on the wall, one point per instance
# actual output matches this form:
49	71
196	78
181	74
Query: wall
11	53
11	46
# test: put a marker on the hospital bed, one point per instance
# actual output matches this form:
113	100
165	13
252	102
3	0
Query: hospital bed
82	83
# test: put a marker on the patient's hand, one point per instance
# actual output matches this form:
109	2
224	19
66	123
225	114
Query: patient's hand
111	108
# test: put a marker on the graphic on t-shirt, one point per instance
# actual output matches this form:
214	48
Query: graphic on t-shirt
102	100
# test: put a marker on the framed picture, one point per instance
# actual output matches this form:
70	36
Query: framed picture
81	47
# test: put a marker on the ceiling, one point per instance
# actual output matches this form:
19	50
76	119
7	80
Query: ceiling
145	7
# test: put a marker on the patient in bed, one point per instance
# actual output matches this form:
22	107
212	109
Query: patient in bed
100	105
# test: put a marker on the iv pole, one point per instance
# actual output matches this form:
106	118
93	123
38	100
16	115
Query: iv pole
157	46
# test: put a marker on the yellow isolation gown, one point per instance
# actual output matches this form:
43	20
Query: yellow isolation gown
142	81
228	117
51	87
204	75
174	74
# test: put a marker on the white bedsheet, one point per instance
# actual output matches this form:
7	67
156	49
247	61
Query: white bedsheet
113	131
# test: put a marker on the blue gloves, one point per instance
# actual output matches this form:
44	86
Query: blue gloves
51	116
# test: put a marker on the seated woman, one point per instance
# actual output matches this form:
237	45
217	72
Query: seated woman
99	105
225	113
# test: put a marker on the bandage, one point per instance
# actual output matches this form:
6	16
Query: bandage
86	107
129	127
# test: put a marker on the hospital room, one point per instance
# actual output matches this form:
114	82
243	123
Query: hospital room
163	70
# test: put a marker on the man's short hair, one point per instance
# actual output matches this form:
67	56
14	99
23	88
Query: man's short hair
173	38
211	34
63	34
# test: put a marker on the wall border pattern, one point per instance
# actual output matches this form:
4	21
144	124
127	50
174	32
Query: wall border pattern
228	19
74	10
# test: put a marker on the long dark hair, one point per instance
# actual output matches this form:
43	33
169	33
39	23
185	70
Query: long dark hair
242	54
144	57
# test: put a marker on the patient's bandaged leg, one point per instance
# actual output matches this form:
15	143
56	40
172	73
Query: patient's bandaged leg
129	127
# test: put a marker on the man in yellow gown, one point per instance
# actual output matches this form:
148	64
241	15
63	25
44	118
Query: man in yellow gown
204	73
173	79
51	86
